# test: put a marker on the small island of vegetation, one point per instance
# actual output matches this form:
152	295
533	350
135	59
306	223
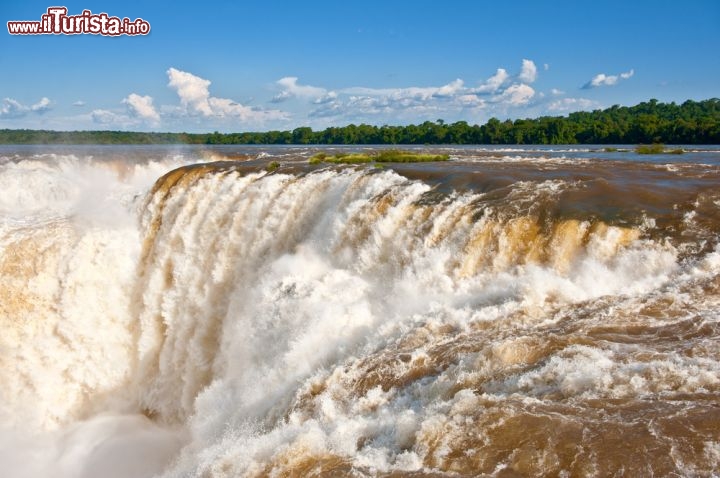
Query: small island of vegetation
389	156
657	149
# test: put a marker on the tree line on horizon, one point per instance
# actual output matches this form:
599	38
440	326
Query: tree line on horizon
692	122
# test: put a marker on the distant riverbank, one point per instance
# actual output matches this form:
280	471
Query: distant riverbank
692	122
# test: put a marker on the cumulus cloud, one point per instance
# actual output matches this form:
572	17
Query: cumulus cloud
192	90
602	79
492	84
449	90
138	109
390	101
195	100
528	73
412	94
414	102
79	103
573	104
41	106
556	92
224	107
330	109
499	91
291	89
11	108
518	94
106	117
327	98
471	101
141	107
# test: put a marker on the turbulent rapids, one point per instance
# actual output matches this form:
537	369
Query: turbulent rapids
528	312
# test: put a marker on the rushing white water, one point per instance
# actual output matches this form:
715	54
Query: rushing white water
242	324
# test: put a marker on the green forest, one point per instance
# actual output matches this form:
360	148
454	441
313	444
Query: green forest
692	122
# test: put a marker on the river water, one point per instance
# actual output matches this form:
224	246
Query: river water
180	311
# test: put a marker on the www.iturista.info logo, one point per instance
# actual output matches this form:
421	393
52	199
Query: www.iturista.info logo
57	22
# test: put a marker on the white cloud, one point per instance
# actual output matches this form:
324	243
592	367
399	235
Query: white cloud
403	95
415	103
106	117
326	110
546	66
500	94
11	108
331	96
192	90
451	89
471	101
602	79
390	102
516	95
493	83
138	110
195	100
573	104
387	99
282	96
528	73
41	106
291	89
412	102
224	107
142	107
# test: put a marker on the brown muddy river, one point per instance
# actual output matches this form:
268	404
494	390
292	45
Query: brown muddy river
515	311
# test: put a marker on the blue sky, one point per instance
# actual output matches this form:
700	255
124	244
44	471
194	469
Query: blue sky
253	66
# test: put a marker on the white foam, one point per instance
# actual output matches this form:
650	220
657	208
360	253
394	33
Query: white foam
256	290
